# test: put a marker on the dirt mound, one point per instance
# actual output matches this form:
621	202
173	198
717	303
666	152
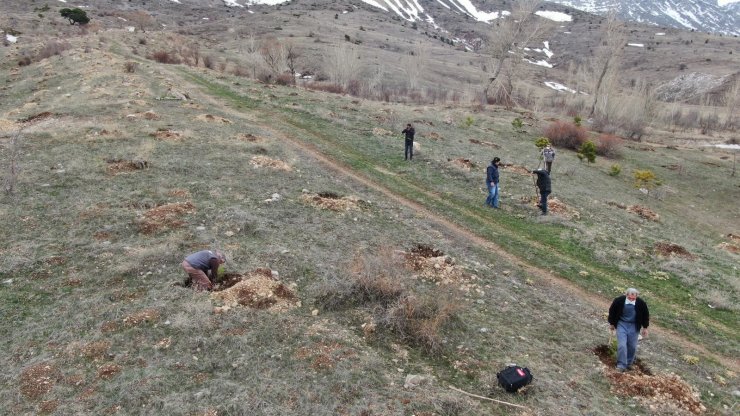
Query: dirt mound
35	118
669	249
432	135
143	316
164	217
460	162
332	201
517	169
118	166
733	246
434	266
209	118
38	379
8	126
324	356
147	115
257	289
554	207
643	212
483	143
377	131
266	162
248	137
662	394
165	134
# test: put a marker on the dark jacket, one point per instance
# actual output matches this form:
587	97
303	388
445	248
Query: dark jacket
409	132
643	315
543	180
492	174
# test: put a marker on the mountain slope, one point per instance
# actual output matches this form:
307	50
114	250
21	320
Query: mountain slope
701	15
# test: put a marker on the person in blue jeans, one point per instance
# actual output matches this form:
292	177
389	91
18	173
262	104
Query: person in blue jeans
628	316
492	183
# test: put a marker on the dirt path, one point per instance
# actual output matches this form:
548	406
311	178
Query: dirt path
550	278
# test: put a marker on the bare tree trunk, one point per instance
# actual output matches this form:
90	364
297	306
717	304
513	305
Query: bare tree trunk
509	35
607	56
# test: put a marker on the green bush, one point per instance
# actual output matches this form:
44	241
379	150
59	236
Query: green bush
517	124
468	122
75	16
577	120
587	151
541	142
615	170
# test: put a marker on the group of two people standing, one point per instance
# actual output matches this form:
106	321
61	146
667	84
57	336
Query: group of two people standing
544	184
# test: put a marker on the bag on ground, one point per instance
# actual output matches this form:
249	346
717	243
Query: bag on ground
513	378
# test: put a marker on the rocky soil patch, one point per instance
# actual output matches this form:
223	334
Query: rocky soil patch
166	134
38	379
209	118
118	166
463	163
733	245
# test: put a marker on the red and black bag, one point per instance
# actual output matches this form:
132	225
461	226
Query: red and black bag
513	378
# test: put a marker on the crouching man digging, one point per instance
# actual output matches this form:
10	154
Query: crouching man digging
627	315
202	264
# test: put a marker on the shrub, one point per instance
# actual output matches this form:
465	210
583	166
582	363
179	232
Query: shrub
541	142
420	322
517	124
587	151
608	145
326	87
75	16
644	179
130	67
209	62
615	170
566	135
468	122
164	57
52	48
142	41
577	120
284	79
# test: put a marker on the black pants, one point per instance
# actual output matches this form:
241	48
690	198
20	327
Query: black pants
543	201
408	152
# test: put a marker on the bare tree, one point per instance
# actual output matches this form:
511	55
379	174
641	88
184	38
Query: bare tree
291	58
142	19
731	101
607	59
509	35
413	64
343	64
273	55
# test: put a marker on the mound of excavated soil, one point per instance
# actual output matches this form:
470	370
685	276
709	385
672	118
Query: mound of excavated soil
209	118
331	201
733	246
662	394
484	143
463	163
38	379
555	207
517	169
643	212
257	289
669	249
165	217
433	265
117	166
266	162
248	137
166	134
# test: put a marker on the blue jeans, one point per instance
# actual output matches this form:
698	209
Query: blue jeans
543	202
408	149
626	344
492	199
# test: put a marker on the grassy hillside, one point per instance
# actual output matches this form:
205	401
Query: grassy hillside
388	268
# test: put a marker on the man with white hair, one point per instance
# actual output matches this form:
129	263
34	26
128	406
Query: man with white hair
628	314
202	264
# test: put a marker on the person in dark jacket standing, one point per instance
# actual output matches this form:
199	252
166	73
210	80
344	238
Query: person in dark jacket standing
628	314
492	183
408	152
544	186
200	265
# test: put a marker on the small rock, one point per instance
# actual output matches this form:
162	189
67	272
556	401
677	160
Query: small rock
8	281
229	233
275	275
315	312
484	330
200	228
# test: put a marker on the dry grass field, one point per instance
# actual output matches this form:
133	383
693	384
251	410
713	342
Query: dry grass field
357	283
